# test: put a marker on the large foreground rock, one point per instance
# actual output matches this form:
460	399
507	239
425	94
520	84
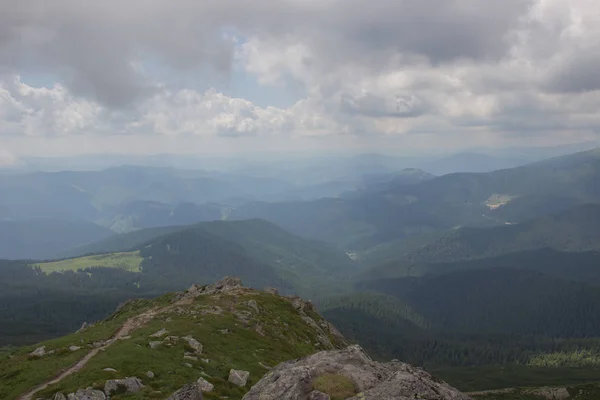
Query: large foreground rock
293	380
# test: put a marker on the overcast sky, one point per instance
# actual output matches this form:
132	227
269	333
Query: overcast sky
150	76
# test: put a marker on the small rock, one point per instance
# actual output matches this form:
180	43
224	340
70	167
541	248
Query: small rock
316	395
160	333
132	385
272	291
59	396
252	304
74	348
187	392
39	352
224	331
154	344
125	337
194	344
238	378
109	370
205	385
150	374
188	365
87	394
205	360
552	393
171	339
191	358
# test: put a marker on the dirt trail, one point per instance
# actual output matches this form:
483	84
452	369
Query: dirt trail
128	326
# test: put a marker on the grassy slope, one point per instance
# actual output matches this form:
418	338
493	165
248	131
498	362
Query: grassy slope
286	336
129	261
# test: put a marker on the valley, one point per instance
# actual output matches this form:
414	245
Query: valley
420	268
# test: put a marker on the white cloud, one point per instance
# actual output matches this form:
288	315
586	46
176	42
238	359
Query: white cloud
416	70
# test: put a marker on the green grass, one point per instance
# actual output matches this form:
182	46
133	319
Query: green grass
129	261
338	387
19	372
286	336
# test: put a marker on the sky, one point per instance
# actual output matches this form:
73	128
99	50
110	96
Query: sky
230	76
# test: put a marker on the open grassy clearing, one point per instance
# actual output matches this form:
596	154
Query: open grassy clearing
128	261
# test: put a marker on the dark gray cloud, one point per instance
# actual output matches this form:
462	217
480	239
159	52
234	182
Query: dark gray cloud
94	47
578	72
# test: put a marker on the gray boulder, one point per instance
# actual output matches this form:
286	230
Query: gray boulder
205	385
150	374
187	392
87	394
154	344
74	348
193	343
238	378
132	385
59	396
373	380
316	395
160	333
39	352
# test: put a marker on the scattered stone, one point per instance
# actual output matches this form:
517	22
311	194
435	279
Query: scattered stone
160	333
83	327
87	394
188	365
252	304
132	385
224	331
59	396
264	365
171	339
125	337
316	395
109	370
271	290
552	393
150	374
373	380
259	329
205	385
39	352
187	392
191	358
205	360
238	378
154	345
193	343
74	348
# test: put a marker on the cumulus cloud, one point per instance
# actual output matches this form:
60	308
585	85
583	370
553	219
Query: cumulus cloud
518	68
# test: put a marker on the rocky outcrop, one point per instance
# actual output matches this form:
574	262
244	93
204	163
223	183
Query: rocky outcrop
293	380
226	285
238	378
187	392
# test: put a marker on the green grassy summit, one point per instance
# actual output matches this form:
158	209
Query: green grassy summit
236	327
